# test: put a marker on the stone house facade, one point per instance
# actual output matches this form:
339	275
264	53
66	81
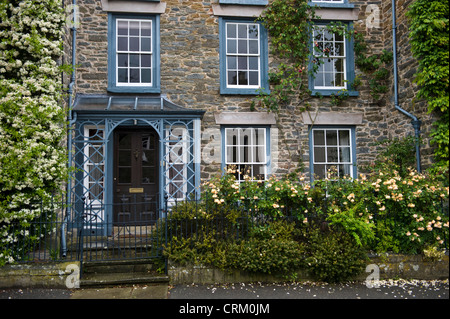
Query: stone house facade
163	91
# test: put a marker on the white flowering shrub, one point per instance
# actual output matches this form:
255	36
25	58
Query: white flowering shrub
32	116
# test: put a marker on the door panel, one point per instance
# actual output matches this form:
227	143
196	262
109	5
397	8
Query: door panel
136	176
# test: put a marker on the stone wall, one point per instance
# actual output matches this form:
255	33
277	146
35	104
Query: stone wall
400	125
44	275
190	77
390	267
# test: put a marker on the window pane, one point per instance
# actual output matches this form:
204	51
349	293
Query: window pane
253	78
344	137
332	155
134	76
146	75
145	45
122	75
253	63
242	63
231	30
319	137
328	79
146	29
231	64
242	31
122	27
319	154
259	156
134	60
122	60
260	136
331	137
339	79
134	44
318	80
122	44
134	27
231	46
243	79
242	47
253	47
344	154
146	60
253	31
319	171
232	78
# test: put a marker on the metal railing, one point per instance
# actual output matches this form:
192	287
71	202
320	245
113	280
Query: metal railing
88	238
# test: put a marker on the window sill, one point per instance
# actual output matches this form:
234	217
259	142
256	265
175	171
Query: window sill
332	5
233	91
333	92
246	2
133	89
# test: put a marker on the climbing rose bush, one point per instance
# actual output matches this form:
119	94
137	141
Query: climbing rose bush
32	117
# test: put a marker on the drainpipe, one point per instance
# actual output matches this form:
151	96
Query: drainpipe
415	122
71	121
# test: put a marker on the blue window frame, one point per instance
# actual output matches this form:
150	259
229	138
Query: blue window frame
245	2
246	149
243	56
133	53
333	56
332	147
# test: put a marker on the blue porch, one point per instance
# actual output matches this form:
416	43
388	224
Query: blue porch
94	161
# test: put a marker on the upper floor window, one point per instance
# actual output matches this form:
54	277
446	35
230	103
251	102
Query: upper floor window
243	57
332	61
133	54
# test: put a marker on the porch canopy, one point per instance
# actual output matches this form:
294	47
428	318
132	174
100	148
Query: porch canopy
91	147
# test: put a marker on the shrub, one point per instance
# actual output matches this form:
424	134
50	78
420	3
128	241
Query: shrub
334	256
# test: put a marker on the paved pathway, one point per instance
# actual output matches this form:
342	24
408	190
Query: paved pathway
388	289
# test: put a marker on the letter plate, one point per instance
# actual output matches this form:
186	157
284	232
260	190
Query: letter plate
136	190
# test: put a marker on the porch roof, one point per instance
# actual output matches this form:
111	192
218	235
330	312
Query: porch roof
114	104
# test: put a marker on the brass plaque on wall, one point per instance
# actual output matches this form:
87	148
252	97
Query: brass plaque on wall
136	190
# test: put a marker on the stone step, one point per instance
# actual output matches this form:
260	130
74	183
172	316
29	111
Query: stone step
121	273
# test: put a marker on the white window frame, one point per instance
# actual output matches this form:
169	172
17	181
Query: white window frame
246	55
179	135
252	145
95	202
328	164
138	52
321	56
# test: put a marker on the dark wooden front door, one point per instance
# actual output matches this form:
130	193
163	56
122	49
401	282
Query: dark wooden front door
136	176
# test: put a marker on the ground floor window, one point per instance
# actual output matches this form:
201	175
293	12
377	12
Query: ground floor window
246	149
332	150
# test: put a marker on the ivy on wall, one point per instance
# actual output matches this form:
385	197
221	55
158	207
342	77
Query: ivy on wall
429	44
32	119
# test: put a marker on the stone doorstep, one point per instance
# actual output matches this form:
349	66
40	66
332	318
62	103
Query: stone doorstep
120	273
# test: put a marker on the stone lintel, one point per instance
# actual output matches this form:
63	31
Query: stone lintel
332	118
134	6
237	11
244	118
